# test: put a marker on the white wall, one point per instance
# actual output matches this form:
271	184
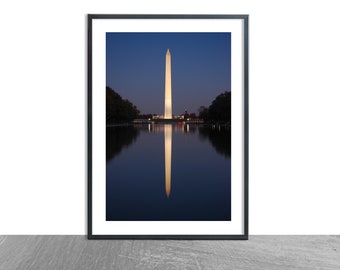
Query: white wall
294	112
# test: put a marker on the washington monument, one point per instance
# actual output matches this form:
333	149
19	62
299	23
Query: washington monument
168	95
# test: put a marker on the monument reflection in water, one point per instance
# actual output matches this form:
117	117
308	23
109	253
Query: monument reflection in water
167	157
168	172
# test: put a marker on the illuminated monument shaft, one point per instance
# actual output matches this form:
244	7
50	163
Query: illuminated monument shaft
168	94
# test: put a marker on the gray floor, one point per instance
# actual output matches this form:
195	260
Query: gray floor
259	252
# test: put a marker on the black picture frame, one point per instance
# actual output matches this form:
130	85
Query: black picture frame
90	144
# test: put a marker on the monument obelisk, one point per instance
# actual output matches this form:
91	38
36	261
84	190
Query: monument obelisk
168	94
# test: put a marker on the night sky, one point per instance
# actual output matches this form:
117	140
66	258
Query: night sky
200	64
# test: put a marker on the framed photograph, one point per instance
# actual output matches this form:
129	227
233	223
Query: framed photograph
167	126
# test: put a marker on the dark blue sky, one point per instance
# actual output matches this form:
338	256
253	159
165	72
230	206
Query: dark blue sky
200	63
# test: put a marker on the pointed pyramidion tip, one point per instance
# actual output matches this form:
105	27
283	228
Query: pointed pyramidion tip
168	51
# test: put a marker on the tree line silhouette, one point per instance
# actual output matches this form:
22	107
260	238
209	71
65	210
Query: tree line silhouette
218	111
119	110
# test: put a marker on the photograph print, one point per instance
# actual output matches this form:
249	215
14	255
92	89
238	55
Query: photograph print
168	131
168	126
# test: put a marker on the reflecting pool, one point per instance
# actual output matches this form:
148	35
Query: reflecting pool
170	172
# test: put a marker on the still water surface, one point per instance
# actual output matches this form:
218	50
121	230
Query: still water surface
168	172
